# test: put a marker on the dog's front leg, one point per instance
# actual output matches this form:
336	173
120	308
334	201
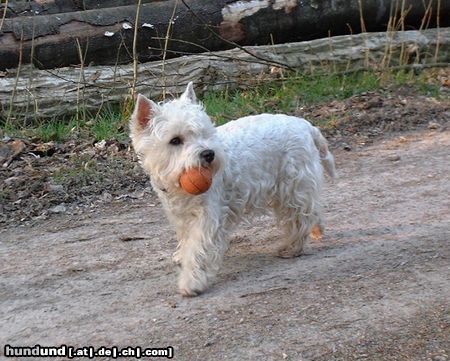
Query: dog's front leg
201	254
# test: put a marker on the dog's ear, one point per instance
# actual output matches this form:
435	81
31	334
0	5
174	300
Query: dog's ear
143	113
189	94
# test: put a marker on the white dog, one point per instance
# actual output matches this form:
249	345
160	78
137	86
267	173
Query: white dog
260	163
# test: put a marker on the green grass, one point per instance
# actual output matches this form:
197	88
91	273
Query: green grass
46	131
109	125
425	82
287	96
55	130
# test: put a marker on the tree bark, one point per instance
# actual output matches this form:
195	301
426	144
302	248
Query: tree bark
33	93
32	8
105	36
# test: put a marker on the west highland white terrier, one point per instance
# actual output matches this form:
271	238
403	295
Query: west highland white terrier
260	164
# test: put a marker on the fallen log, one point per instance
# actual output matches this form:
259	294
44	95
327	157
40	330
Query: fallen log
16	8
105	36
31	93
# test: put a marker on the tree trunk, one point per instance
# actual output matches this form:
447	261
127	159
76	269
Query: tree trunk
105	36
32	8
36	93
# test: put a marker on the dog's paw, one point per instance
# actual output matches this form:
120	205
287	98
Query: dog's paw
176	258
191	286
188	292
289	252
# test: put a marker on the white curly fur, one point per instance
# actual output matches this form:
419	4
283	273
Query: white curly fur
262	163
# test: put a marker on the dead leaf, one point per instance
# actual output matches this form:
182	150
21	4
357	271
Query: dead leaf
9	151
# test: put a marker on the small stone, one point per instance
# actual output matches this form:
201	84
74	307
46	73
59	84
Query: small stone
113	149
394	158
60	208
54	188
23	194
347	147
433	125
89	152
106	197
11	181
100	145
440	358
136	194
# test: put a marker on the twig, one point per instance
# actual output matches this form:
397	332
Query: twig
330	44
436	52
205	50
31	78
363	31
4	14
426	17
135	57
403	15
361	17
81	78
84	83
351	40
13	94
270	62
166	44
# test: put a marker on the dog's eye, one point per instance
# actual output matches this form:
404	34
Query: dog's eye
176	141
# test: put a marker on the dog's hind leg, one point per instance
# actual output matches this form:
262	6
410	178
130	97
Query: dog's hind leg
298	227
298	207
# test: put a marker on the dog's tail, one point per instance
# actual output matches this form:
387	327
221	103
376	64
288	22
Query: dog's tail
325	156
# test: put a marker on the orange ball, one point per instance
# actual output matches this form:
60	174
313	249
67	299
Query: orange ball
196	180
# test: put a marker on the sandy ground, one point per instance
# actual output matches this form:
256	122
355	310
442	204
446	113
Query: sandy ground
376	287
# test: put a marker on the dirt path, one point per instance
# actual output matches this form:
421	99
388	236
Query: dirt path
375	288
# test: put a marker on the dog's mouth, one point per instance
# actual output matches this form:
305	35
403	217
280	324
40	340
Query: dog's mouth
210	166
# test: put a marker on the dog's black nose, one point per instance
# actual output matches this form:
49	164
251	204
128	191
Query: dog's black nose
207	155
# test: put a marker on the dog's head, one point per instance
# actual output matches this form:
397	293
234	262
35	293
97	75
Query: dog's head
174	136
